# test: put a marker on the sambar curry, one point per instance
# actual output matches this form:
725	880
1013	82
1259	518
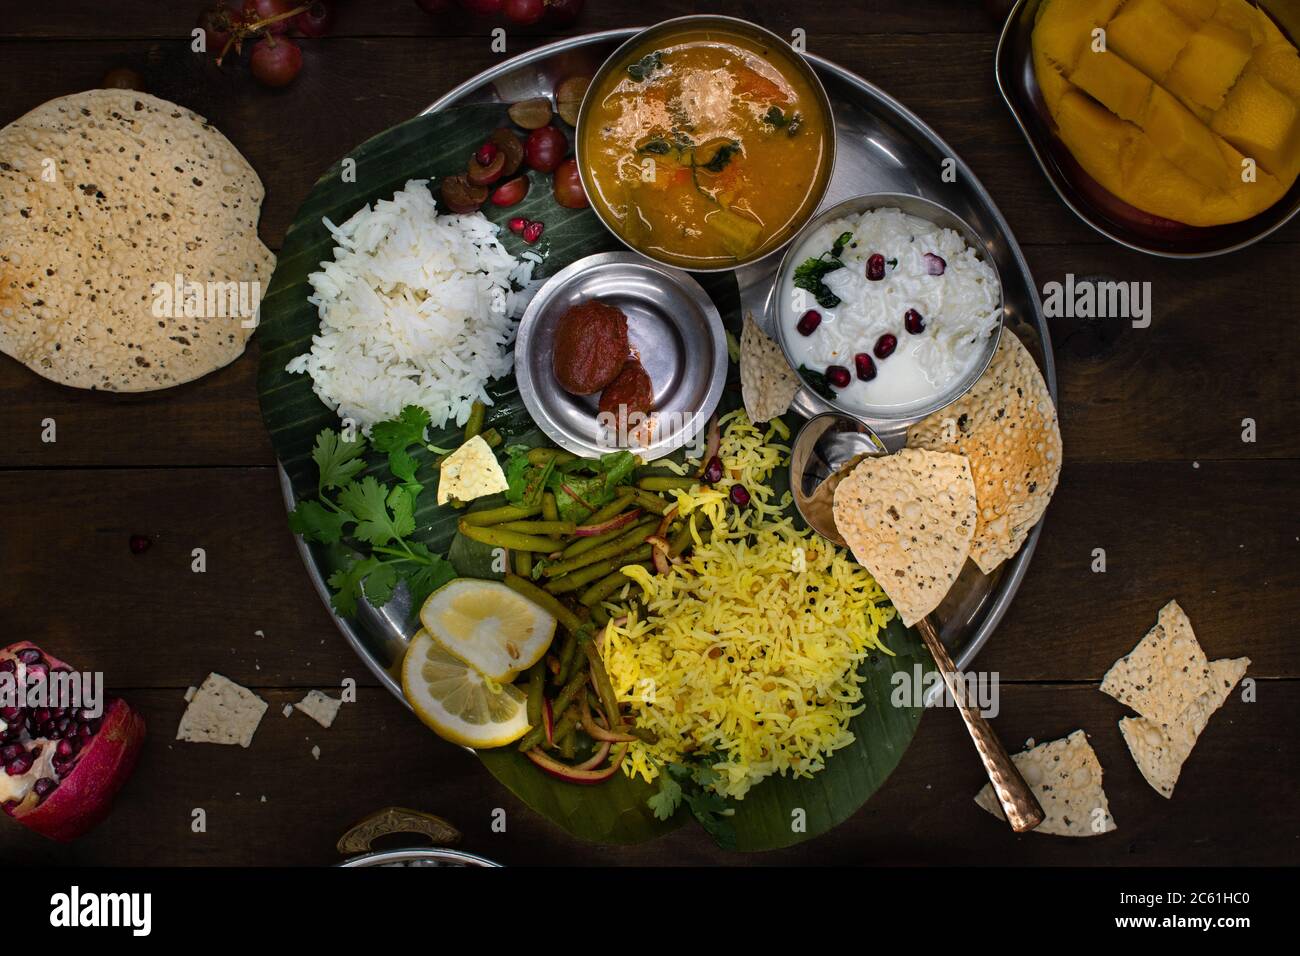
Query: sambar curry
703	149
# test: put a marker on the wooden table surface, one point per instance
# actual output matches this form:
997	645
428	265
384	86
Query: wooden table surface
1156	473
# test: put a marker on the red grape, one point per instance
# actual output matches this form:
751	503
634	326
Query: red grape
486	8
561	13
278	64
568	186
316	21
257	10
545	149
524	12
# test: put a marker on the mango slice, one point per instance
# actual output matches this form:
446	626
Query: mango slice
1193	12
1148	35
1122	89
1261	121
1184	93
1213	58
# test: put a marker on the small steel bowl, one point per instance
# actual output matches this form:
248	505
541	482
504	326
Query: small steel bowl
1088	199
890	424
722	26
672	325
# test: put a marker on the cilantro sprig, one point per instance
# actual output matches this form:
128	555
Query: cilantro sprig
374	519
691	783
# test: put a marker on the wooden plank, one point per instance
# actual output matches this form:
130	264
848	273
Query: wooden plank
150	620
1181	388
1229	807
351	89
149	19
1221	538
214	421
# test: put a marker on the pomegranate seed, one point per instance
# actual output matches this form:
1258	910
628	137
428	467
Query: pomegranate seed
913	322
8	665
809	321
45	786
85	732
865	367
19	765
42	716
10	714
29	655
533	231
517	224
713	471
838	376
739	496
10	806
876	267
66	748
885	345
486	153
140	543
934	265
10	751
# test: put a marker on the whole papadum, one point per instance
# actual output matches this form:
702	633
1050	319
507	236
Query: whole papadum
111	203
1007	426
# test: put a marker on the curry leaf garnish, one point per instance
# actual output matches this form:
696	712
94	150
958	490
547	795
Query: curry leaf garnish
816	381
774	117
809	274
722	157
643	67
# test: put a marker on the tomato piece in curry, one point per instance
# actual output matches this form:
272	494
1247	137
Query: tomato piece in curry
705	150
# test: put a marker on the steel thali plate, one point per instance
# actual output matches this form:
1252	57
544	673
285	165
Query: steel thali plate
882	147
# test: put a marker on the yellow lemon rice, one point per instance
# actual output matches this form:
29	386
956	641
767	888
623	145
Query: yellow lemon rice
748	649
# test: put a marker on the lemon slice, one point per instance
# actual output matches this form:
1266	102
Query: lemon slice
488	626
455	699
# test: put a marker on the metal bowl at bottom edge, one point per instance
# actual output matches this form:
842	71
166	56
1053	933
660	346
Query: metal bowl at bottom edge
418	857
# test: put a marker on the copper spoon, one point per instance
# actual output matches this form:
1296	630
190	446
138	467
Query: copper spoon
825	451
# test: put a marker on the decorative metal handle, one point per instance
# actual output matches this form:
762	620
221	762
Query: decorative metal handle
1019	804
392	820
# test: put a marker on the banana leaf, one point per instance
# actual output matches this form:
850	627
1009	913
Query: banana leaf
776	813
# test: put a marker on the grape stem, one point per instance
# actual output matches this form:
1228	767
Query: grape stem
244	31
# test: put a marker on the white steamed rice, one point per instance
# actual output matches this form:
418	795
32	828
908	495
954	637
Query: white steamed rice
415	309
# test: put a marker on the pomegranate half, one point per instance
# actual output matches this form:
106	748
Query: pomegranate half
59	766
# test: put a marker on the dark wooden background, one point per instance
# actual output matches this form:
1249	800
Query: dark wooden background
1156	473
